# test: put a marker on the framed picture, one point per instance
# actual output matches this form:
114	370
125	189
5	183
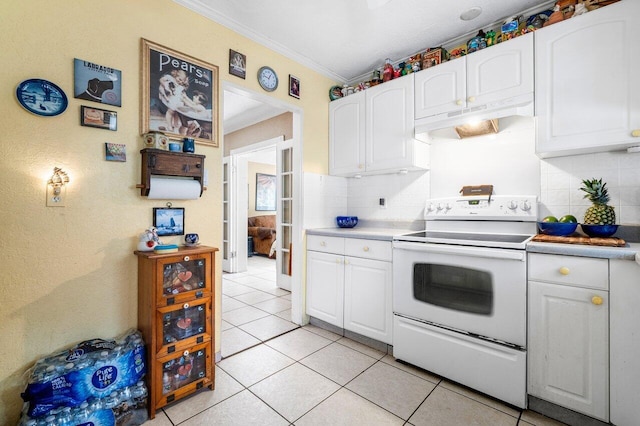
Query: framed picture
41	97
265	192
168	220
294	86
237	64
97	83
179	95
100	118
115	151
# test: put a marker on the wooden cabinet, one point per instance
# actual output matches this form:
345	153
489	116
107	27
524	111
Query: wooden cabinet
349	284
568	335
371	132
587	89
175	316
480	80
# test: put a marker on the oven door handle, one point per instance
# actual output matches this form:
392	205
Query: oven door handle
461	250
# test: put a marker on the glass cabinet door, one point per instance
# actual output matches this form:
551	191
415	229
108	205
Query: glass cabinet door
184	278
183	326
183	373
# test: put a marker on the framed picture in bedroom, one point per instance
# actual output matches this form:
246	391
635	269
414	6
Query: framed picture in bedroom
179	95
265	192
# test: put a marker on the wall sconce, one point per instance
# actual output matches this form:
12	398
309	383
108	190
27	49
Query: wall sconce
56	188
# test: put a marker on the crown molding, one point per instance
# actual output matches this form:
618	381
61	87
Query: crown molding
199	7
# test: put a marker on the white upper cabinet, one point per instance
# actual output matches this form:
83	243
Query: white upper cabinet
346	135
587	88
371	132
482	80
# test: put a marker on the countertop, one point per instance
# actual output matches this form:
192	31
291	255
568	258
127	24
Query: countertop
628	252
369	233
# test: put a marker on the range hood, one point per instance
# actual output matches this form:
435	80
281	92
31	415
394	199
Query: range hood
520	105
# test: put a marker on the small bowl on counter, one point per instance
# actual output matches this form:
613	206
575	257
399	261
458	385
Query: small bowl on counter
601	231
558	229
347	221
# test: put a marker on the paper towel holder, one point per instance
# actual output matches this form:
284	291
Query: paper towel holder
168	163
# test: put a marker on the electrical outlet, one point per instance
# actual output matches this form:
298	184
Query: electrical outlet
382	202
56	200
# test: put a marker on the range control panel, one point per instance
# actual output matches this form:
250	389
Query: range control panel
496	207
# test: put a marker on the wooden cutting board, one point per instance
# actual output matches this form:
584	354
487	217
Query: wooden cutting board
579	239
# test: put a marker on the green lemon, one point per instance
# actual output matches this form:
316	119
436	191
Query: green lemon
568	219
550	219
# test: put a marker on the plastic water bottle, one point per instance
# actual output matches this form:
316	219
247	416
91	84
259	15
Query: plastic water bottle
81	413
111	401
139	394
64	417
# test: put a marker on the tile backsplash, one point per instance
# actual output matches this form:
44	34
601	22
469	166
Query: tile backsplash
561	180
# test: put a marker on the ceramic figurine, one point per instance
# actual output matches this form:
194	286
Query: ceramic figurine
148	240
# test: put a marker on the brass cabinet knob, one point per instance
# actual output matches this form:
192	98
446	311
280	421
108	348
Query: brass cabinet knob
459	102
636	133
472	99
596	300
565	271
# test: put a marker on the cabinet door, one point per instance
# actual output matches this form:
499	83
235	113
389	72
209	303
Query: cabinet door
183	278
389	125
367	298
569	347
346	135
500	72
325	287
441	89
587	89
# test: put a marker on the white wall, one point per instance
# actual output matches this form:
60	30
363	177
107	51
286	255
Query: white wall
325	197
561	179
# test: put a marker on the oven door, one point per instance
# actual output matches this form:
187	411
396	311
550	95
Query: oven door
472	289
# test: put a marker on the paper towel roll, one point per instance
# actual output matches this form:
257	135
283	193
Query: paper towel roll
174	189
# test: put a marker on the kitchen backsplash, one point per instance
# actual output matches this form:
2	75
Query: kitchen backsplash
561	179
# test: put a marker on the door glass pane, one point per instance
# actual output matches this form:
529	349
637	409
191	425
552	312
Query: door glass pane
286	237
286	160
180	277
183	370
286	262
286	211
454	287
286	186
225	250
183	323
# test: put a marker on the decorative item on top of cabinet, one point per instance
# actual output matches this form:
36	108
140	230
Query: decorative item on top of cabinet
569	58
176	318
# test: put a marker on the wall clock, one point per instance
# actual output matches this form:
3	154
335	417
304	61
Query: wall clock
268	79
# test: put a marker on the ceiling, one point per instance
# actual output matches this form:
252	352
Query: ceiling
345	39
241	111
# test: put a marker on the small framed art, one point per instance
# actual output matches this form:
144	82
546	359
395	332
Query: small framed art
294	86
100	118
237	64
168	220
115	151
265	192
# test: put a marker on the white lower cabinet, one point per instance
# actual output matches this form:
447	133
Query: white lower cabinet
349	284
568	336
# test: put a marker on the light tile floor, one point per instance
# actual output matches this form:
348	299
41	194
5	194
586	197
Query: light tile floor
310	376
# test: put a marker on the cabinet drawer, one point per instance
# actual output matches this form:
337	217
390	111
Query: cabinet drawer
184	278
182	326
175	164
368	249
569	270
182	374
325	244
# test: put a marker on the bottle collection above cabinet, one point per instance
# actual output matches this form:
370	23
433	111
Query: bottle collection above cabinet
587	88
371	132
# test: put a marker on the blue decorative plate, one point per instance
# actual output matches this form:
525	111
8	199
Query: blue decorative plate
41	97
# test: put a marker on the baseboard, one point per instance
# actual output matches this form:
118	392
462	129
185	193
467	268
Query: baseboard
367	341
562	414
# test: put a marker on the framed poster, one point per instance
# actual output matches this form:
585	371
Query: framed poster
237	64
265	192
100	118
179	95
168	220
97	83
115	151
294	86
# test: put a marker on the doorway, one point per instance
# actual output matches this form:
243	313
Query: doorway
288	233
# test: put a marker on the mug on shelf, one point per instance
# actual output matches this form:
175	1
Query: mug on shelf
188	145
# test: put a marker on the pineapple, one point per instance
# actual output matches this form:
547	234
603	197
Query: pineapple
599	213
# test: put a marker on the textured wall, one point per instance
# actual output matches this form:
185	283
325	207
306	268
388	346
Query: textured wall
68	273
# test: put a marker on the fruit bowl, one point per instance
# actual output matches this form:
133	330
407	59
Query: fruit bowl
347	221
558	229
599	230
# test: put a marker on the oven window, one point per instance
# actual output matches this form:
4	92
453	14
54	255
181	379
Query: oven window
453	287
